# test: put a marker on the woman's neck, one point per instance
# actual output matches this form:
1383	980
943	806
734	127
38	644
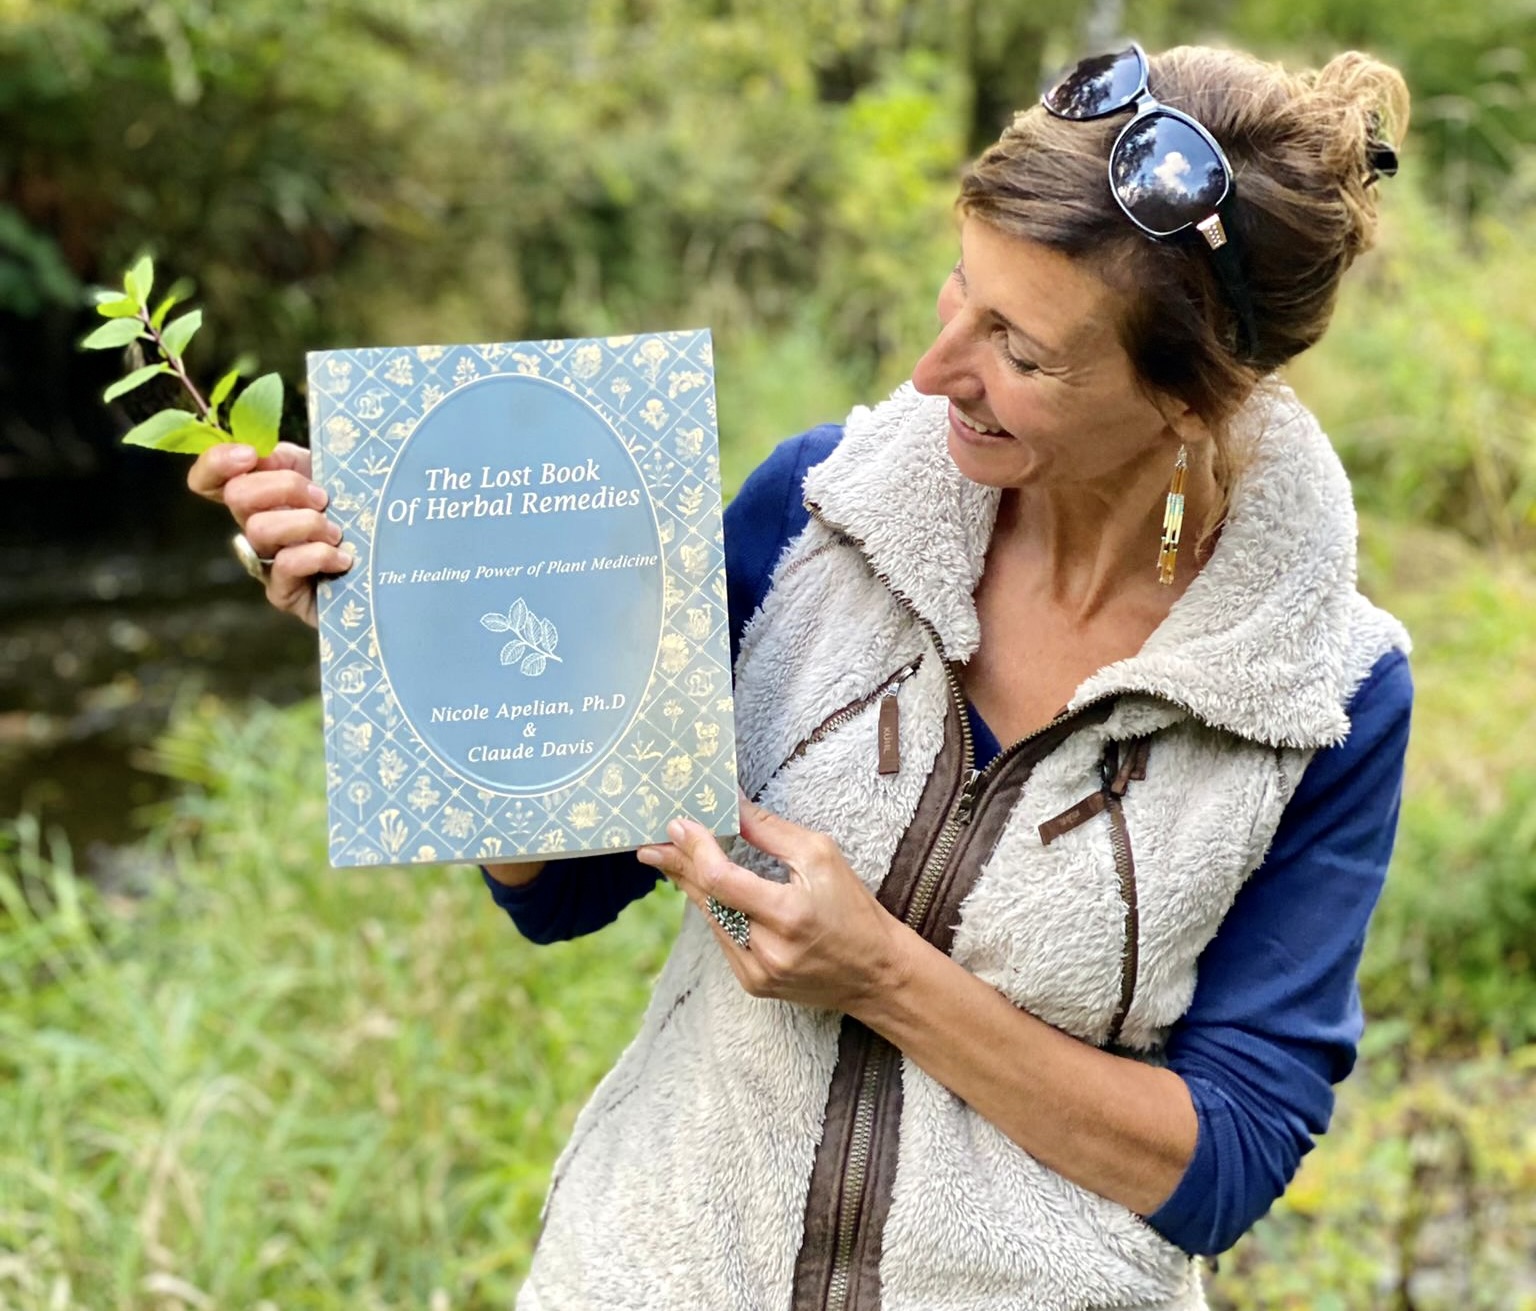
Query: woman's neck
1081	547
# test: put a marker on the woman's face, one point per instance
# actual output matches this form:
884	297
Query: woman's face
1041	392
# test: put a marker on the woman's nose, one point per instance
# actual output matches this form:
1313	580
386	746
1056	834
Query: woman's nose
943	368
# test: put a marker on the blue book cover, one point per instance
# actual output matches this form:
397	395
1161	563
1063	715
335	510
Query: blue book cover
530	658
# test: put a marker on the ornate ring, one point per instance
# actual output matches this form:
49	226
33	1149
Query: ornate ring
738	928
253	564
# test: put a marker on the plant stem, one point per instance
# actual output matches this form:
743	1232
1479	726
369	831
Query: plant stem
180	370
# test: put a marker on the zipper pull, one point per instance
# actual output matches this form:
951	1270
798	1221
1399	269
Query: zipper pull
968	795
888	754
889	757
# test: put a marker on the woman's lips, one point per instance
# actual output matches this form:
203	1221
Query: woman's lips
973	430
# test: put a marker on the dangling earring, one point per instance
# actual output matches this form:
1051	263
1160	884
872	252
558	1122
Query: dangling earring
1173	521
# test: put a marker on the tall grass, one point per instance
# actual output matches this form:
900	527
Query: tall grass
274	1085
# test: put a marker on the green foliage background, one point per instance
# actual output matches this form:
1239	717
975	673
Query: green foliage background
262	1084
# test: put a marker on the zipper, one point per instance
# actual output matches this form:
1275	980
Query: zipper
1117	774
838	718
977	781
973	783
855	1176
1125	869
795	565
961	808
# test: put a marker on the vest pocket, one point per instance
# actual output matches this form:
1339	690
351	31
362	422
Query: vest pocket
1121	764
887	755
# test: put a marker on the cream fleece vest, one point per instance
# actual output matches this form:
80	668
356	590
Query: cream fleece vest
685	1181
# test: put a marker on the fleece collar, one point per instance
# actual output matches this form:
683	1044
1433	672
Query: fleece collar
1258	645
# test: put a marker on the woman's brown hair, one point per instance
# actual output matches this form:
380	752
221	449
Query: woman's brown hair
1300	146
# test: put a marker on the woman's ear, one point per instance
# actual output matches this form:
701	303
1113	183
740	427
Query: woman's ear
1182	420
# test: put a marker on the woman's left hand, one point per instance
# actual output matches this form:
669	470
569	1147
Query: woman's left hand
819	940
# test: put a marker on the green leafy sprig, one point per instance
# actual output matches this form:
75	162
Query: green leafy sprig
252	419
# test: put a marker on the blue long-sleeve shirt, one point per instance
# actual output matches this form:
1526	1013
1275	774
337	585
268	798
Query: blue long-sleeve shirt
1276	1014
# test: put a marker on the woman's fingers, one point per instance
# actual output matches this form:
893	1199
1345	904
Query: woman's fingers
713	874
801	849
271	530
216	466
291	584
281	512
271	489
219	465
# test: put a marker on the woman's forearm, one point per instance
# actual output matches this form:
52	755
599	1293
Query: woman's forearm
515	875
1115	1126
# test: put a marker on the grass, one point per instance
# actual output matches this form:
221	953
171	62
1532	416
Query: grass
273	1085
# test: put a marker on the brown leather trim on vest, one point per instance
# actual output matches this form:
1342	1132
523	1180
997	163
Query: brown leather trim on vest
863	1055
856	1046
933	807
1130	958
1120	768
992	809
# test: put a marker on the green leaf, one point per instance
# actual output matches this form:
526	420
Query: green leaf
140	280
179	291
192	438
135	379
166	431
178	333
254	416
126	308
101	295
116	333
224	386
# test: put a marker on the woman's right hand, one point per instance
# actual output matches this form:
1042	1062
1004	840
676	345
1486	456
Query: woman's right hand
281	511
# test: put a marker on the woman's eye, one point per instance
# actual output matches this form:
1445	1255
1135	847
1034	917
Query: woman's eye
1015	363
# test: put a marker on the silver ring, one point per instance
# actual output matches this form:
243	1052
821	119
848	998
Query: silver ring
738	928
253	564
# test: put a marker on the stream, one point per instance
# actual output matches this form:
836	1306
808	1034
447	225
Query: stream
102	638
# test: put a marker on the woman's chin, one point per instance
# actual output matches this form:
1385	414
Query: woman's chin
991	460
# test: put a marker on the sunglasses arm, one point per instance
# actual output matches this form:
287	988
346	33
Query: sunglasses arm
1229	271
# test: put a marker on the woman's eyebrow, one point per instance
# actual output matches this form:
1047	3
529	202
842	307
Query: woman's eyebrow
1035	344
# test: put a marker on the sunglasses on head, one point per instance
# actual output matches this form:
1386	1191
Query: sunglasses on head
1166	171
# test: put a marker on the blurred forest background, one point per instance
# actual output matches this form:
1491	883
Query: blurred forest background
230	1078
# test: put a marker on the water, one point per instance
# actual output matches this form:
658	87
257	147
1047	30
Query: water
98	647
119	597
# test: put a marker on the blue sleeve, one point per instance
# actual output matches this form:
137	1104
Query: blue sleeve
765	516
573	897
1276	1012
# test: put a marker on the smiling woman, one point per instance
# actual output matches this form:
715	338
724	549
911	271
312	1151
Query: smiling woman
1033	969
1042	393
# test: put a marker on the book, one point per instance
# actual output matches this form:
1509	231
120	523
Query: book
530	658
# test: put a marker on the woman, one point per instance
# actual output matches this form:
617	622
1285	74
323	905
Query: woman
1016	1025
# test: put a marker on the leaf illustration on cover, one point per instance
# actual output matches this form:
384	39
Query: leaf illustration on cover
533	639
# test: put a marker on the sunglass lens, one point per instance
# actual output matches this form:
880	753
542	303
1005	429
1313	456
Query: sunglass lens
1166	174
1098	86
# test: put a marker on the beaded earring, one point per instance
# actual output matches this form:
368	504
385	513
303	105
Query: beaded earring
1173	521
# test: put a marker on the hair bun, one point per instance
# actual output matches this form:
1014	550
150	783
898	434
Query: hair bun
1367	101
